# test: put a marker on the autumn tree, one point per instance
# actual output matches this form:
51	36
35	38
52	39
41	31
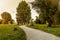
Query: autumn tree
0	21
23	13
6	17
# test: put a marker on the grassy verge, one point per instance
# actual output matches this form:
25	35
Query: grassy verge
8	32
43	27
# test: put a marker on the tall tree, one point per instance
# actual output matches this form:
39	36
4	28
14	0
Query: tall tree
6	17
57	18
47	9
23	13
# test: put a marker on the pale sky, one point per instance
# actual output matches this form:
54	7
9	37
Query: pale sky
11	5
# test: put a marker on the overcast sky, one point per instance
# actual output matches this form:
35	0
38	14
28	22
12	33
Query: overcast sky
11	5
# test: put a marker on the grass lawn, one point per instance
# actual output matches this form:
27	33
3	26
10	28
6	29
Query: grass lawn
43	27
7	32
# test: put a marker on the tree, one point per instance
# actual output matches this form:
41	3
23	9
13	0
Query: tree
23	13
11	21
0	21
37	21
57	18
47	8
6	17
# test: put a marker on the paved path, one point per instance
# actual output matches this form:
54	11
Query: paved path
33	34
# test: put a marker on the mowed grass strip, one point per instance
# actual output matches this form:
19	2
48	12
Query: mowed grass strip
45	28
11	32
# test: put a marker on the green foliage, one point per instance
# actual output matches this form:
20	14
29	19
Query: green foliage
43	27
11	21
57	18
47	8
7	32
23	13
39	26
37	21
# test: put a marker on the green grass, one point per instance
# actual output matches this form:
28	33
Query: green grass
45	28
7	32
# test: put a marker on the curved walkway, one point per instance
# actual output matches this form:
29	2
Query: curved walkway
33	34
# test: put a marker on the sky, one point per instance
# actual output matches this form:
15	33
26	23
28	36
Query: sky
11	5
